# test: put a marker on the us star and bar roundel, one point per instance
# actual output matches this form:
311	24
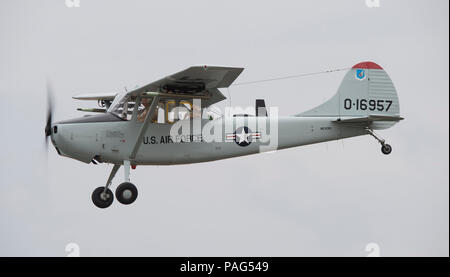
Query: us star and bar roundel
243	136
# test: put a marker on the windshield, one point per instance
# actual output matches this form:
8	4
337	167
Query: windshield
119	106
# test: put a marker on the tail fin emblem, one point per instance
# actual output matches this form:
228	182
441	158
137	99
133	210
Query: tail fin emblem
360	74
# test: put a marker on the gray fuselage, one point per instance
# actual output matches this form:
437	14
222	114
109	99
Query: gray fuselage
113	141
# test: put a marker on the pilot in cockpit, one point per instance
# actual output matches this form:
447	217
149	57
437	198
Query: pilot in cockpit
146	103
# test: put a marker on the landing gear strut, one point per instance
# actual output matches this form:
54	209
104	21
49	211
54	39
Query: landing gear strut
385	148
126	193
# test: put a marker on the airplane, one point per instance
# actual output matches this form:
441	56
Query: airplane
142	126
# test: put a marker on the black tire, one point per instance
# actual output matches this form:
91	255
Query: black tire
100	201
386	149
126	193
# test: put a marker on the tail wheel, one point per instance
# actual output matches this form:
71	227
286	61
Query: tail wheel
126	193
386	149
101	198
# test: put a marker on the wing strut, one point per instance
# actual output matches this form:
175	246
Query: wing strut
144	127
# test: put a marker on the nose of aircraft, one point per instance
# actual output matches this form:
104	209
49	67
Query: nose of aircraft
51	132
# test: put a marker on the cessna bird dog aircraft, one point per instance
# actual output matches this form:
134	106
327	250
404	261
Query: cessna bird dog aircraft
137	127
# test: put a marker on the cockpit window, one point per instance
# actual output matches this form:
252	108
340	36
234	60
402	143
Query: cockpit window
121	106
167	111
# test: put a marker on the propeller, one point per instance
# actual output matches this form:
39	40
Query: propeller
48	126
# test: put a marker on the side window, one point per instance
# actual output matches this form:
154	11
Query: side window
185	109
171	115
167	111
180	112
160	115
144	109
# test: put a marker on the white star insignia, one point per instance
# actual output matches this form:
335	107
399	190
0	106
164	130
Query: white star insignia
243	136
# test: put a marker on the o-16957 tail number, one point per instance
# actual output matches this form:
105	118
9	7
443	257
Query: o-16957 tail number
364	104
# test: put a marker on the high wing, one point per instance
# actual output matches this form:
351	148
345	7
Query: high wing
196	81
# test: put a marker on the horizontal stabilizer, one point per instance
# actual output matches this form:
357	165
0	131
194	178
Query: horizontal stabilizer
370	118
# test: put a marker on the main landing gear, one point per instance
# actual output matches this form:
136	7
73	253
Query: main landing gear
385	148
126	193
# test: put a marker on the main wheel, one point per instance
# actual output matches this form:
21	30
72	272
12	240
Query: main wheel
386	149
101	198
126	193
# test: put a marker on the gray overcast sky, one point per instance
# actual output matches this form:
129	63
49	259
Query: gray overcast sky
322	200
